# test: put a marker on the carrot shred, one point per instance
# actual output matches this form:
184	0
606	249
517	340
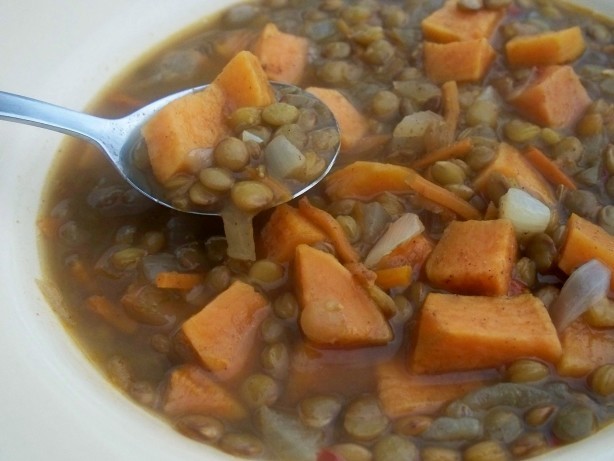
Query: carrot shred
441	196
451	107
457	149
178	280
111	313
48	226
331	228
550	170
393	277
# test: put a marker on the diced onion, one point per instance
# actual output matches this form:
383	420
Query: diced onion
527	214
585	286
403	229
283	159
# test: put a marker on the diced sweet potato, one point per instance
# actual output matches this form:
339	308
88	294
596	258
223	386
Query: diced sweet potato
584	241
335	310
556	47
244	82
188	123
285	230
394	277
584	349
365	180
510	163
402	393
225	331
451	23
178	280
466	61
457	333
191	390
474	257
554	98
353	126
283	56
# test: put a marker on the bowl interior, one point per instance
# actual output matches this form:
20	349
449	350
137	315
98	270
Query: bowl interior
58	405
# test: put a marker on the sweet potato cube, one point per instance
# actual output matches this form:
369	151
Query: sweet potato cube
353	126
466	61
554	98
584	349
193	121
225	331
402	393
191	390
474	257
512	165
283	56
336	311
460	333
286	229
556	47
584	241
451	23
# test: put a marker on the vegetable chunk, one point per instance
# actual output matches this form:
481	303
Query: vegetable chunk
456	333
584	349
558	47
466	61
335	310
451	23
191	390
283	56
474	257
555	98
224	332
585	241
353	126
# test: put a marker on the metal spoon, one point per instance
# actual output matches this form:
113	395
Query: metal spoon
118	138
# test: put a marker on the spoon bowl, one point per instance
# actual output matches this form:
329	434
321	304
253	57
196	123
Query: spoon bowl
119	138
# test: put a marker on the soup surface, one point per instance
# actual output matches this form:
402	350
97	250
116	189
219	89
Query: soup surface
442	295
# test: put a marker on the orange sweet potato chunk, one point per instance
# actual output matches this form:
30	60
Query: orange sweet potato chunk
191	390
335	310
554	98
402	393
584	349
466	61
511	164
353	126
556	47
460	333
451	23
584	241
286	229
224	332
474	257
283	56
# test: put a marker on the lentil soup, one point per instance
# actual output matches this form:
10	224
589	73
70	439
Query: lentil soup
428	300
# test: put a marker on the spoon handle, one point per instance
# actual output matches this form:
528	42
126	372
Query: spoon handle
30	111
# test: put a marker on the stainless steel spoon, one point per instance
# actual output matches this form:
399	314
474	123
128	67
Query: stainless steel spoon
118	138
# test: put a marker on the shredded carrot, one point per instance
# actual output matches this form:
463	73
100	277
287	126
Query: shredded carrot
331	228
492	212
178	280
441	196
81	274
550	170
111	313
48	226
457	149
393	277
280	191
451	107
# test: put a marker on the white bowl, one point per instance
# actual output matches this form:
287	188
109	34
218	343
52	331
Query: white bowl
54	404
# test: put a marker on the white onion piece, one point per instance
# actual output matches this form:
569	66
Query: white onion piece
416	124
403	229
585	286
527	214
283	159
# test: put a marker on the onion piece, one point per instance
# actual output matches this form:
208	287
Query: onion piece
585	286
527	214
403	229
283	159
239	233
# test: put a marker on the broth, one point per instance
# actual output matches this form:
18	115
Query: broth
104	246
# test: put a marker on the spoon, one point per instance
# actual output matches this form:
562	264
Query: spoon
118	138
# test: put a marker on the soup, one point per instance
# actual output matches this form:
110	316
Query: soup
416	304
